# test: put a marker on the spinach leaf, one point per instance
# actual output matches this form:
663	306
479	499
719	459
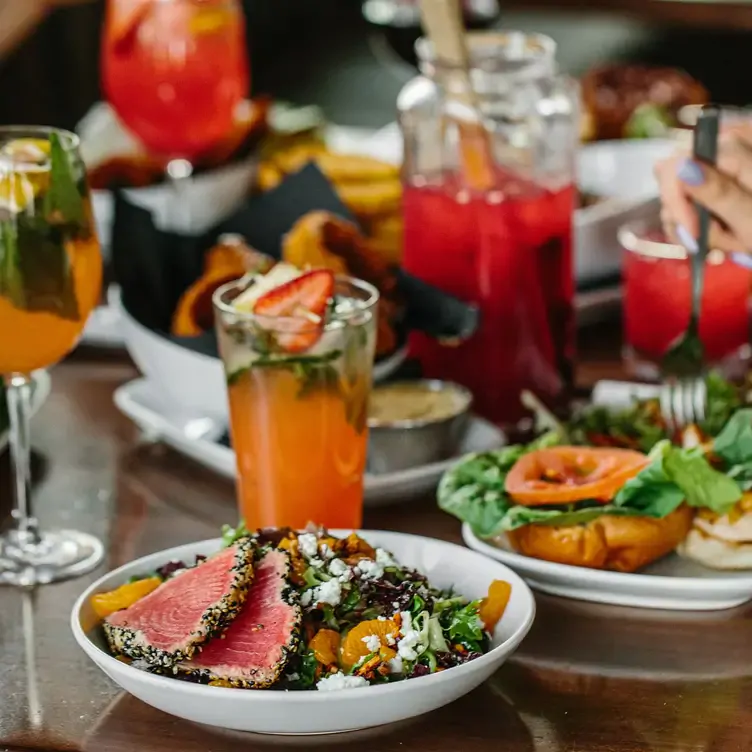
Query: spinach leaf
473	490
651	492
734	443
689	471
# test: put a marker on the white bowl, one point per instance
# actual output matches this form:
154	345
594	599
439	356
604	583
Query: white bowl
622	171
183	377
313	712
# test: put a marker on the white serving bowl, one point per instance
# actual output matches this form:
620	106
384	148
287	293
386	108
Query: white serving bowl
192	380
621	171
313	712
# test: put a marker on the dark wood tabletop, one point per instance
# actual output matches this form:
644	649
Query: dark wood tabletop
588	678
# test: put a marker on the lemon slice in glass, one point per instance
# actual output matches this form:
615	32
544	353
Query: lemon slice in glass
24	172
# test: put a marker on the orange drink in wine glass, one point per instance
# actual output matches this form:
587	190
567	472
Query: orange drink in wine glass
298	353
50	278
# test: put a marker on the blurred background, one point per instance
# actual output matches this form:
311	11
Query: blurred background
352	59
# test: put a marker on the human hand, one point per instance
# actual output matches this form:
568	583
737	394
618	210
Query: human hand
725	190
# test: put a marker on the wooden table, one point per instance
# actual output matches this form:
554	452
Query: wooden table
588	678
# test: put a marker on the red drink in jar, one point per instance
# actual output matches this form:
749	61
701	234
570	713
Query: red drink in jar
491	222
175	71
509	251
657	300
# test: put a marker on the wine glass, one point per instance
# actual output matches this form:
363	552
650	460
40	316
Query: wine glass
50	280
175	72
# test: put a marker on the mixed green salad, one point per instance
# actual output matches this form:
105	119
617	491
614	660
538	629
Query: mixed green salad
710	471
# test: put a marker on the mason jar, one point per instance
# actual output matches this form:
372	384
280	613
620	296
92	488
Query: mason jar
505	245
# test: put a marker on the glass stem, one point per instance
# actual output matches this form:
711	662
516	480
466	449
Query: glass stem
179	172
18	395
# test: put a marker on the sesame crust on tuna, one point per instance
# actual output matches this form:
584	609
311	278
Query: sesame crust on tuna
290	597
214	621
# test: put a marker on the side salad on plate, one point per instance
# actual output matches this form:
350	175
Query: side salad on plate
614	490
280	609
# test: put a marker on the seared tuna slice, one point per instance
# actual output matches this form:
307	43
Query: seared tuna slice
254	650
169	624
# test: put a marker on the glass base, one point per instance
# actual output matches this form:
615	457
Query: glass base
58	555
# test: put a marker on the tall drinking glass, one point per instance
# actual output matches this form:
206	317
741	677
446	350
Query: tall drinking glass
50	279
299	421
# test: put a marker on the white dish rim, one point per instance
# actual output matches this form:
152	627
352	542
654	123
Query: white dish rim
685	586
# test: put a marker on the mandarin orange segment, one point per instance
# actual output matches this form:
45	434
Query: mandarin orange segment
354	648
325	646
493	606
126	595
566	474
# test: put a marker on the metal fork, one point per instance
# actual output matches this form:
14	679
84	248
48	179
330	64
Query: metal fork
683	403
683	395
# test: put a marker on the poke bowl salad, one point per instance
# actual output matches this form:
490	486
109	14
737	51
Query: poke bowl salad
281	610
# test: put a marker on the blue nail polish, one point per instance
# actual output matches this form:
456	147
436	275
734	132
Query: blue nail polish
690	172
686	239
742	259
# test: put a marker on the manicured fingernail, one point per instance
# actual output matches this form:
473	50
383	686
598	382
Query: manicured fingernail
742	259
690	172
686	239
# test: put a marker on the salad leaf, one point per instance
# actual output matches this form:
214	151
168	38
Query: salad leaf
651	492
690	472
232	534
724	399
464	626
473	489
733	446
520	516
734	443
648	121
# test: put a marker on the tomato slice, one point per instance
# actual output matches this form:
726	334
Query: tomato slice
565	474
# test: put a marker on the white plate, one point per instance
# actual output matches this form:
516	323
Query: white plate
671	583
312	712
40	392
196	436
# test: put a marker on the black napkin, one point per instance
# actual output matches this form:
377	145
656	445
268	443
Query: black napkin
154	268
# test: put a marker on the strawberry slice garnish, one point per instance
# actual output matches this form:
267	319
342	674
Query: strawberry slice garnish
302	303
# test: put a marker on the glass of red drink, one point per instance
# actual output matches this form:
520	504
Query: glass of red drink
508	246
657	293
175	71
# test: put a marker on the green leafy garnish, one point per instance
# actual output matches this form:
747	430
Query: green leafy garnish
232	534
314	371
733	446
648	121
63	203
701	485
519	516
464	626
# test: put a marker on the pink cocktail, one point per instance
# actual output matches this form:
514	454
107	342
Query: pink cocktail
509	251
657	292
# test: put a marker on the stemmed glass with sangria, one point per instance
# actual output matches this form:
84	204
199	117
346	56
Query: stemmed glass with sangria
50	279
175	72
